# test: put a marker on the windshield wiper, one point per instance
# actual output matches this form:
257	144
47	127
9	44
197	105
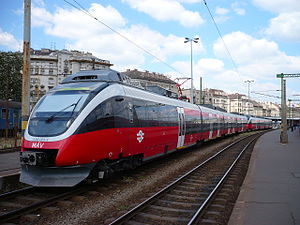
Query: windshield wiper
51	118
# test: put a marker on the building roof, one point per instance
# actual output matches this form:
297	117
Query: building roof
151	76
75	56
10	104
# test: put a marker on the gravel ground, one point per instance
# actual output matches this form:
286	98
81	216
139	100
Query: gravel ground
114	197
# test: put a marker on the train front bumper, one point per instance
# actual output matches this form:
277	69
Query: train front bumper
67	176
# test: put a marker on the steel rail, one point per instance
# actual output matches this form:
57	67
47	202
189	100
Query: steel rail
15	192
19	212
8	150
204	205
125	217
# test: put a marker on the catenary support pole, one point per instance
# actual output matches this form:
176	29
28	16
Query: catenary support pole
26	65
283	134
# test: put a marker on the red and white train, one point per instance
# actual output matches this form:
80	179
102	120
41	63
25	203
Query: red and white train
94	123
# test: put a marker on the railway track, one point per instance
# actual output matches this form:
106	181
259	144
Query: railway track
32	202
204	195
12	149
26	200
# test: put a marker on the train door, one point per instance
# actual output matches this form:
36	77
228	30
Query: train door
181	127
211	125
133	141
219	125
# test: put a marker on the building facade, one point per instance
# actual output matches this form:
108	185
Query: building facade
49	67
235	103
149	79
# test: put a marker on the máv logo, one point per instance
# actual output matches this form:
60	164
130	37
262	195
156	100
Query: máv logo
140	136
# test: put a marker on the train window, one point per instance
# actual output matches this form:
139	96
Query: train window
100	118
141	113
4	112
105	110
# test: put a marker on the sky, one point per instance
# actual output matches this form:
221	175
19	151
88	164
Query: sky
259	38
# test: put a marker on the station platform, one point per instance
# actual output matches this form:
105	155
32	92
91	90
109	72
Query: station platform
270	193
9	163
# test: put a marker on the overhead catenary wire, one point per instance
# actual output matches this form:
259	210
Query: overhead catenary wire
221	37
85	11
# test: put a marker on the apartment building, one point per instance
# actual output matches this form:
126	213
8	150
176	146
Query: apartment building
146	79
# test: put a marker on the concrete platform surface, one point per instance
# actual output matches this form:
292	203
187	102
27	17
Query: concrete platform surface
270	194
9	163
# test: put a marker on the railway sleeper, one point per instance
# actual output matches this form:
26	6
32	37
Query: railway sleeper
29	199
189	193
219	200
213	214
132	222
175	204
188	188
196	181
208	222
154	219
182	198
49	210
11	204
29	217
192	184
167	211
217	207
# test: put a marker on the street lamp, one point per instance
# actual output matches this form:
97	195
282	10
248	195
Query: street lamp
249	81
192	86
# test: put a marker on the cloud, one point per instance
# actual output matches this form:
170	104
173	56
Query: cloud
86	34
222	14
278	6
240	11
210	65
9	41
239	8
244	48
285	27
74	24
41	17
168	10
256	59
221	11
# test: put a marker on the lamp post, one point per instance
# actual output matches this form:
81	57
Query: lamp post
248	81
191	40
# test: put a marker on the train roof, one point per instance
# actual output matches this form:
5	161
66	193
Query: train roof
10	104
96	75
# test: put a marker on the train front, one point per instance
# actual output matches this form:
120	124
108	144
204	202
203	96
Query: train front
46	156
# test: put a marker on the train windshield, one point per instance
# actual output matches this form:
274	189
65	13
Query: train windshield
56	111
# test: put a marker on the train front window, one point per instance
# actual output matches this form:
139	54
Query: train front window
55	112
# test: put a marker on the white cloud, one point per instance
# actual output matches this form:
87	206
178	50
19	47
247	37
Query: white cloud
221	11
40	17
74	24
278	6
285	27
86	34
240	11
244	48
239	8
167	10
210	65
256	59
9	41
